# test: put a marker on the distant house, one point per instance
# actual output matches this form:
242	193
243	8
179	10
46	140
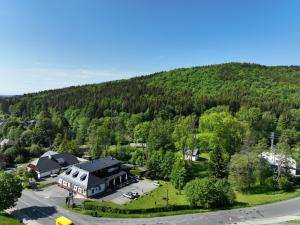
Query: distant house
51	163
138	145
93	177
275	159
191	155
7	142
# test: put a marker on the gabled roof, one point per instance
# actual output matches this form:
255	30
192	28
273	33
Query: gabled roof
52	162
49	153
98	164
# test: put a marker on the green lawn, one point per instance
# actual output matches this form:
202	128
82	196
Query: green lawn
6	219
266	198
294	221
156	199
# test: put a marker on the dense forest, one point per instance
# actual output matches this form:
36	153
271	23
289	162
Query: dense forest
226	111
176	92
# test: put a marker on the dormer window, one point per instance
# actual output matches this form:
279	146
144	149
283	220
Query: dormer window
75	174
68	171
83	176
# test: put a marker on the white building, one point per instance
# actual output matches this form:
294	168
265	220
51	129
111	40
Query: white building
275	159
191	155
6	142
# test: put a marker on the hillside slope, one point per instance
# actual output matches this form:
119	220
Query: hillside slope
179	91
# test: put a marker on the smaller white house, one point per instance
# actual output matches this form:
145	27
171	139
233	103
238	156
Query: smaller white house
6	142
191	155
275	159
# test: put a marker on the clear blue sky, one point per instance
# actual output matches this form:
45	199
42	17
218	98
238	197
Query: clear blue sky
58	43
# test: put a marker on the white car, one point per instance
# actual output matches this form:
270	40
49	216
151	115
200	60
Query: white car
156	183
135	194
53	175
128	195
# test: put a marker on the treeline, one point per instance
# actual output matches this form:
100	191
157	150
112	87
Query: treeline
176	92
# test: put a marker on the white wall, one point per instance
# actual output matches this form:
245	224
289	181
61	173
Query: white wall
97	190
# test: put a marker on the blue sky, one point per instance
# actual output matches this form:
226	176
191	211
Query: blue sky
58	43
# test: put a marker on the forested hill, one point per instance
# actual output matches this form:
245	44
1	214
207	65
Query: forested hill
180	91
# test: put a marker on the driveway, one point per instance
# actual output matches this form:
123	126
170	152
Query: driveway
142	187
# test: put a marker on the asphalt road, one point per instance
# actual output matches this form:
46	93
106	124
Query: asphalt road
43	211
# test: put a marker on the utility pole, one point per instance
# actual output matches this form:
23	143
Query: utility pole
167	197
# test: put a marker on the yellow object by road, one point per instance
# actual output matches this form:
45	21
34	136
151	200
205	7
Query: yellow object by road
63	221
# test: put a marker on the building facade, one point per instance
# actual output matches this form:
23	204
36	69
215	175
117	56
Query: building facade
93	177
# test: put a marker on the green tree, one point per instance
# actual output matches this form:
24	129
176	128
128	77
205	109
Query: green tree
153	165
10	190
221	130
160	135
218	163
243	168
209	193
167	162
141	132
184	135
69	146
35	150
179	174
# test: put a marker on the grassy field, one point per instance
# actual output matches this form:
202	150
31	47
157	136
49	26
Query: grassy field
294	222
157	199
6	219
154	199
266	198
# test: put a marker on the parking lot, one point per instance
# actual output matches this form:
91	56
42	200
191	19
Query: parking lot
142	187
57	193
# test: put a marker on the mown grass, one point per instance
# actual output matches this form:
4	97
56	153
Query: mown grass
6	219
157	198
154	199
265	198
294	221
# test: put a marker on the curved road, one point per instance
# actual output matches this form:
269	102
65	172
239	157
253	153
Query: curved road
36	210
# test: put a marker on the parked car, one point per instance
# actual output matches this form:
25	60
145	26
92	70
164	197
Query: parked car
156	183
128	195
54	175
135	194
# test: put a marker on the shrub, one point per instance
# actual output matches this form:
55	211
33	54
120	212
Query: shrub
285	184
271	183
210	193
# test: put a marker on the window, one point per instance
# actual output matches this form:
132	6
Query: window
68	171
83	176
75	174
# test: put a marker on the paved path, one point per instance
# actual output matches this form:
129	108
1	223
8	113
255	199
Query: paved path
43	211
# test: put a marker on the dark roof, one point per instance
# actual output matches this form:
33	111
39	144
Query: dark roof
98	164
66	159
57	161
45	164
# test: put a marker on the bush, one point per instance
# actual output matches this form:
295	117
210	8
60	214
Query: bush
210	193
271	183
137	172
285	184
